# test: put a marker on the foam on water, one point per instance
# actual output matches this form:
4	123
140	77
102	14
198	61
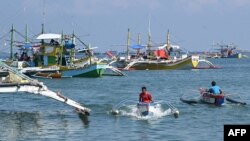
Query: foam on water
155	112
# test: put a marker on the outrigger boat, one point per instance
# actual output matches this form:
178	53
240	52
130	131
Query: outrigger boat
160	57
54	51
209	98
13	81
225	51
143	109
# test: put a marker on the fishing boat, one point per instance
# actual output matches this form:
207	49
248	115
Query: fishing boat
209	98
226	51
50	51
161	57
141	109
13	81
63	56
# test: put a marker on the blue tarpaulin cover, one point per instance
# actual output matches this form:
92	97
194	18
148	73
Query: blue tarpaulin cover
27	46
69	45
137	46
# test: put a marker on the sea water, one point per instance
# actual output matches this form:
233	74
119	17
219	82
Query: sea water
33	117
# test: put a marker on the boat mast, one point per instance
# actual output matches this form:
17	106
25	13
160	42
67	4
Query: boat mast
149	37
139	39
90	54
72	53
11	41
139	43
42	42
128	43
26	34
43	16
168	41
61	50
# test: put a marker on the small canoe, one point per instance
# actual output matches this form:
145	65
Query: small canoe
143	108
210	98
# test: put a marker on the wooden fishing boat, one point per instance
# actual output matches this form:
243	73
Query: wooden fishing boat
158	57
227	50
55	50
209	98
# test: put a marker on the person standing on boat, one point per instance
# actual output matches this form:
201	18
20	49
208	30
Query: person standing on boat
145	96
215	89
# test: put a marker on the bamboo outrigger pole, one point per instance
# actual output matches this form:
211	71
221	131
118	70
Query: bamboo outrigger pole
29	85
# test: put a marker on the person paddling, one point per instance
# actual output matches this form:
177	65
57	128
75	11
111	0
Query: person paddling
217	92
215	89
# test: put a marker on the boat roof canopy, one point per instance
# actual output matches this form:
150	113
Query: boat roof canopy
173	46
49	36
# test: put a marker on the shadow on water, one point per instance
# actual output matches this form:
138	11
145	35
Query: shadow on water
84	120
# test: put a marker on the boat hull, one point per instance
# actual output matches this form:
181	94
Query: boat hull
95	70
143	108
158	65
237	55
209	98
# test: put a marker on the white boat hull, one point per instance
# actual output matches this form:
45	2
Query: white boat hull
143	108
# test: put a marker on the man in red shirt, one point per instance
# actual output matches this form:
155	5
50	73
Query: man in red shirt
145	96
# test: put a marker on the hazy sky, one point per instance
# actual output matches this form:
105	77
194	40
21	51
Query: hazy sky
193	24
